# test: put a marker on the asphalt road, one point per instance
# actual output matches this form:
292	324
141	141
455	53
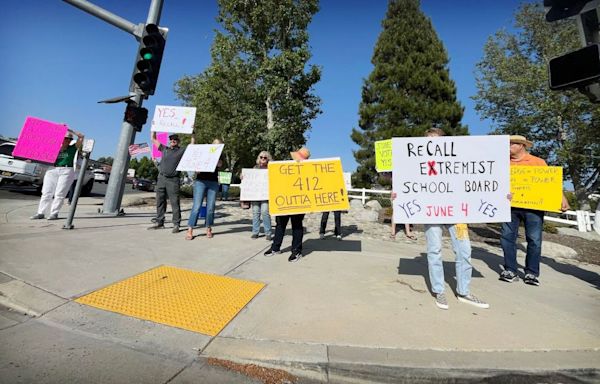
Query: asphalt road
10	191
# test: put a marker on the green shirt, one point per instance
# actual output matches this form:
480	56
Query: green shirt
65	158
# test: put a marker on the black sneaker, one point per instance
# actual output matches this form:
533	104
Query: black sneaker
157	226
509	276
175	229
531	279
269	252
295	256
254	236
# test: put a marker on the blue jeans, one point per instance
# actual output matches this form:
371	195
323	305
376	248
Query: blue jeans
534	223
202	187
224	192
462	250
261	208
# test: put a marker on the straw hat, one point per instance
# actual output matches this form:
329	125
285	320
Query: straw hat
301	154
521	140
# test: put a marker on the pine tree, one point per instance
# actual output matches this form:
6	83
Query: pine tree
409	89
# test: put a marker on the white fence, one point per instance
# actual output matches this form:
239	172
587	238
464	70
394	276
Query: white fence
584	221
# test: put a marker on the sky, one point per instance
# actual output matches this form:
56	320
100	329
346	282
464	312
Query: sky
59	61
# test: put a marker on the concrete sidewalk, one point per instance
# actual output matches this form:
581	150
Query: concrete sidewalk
355	310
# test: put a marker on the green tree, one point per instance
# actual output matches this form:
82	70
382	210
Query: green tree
105	160
512	82
144	168
257	92
409	89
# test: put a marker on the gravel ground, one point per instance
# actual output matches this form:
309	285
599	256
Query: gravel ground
588	251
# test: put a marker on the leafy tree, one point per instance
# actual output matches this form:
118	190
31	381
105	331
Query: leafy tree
512	82
256	94
144	168
409	89
105	160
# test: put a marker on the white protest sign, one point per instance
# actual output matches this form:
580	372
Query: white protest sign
200	157
449	180
348	180
255	184
173	119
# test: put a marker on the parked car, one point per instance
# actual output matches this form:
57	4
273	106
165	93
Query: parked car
101	176
143	184
27	172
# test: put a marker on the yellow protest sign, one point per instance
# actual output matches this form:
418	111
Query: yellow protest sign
306	186
536	187
383	155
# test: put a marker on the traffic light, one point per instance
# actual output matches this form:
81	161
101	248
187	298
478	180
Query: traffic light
575	69
149	59
136	116
562	9
581	68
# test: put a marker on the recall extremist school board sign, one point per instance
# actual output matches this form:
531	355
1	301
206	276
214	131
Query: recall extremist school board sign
451	179
306	186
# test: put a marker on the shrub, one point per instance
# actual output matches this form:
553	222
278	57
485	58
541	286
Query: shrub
550	227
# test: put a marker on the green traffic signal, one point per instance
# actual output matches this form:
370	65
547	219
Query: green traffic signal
147	56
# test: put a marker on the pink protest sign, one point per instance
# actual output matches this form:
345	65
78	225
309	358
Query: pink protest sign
40	140
163	137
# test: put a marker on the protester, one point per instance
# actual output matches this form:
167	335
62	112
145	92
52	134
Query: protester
459	234
337	219
261	208
167	185
297	227
407	231
224	188
532	219
59	178
206	184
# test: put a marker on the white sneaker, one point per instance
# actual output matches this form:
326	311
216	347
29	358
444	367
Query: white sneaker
53	217
441	301
37	216
473	300
339	237
322	236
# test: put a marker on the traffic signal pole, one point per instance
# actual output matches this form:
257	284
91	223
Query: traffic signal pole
116	182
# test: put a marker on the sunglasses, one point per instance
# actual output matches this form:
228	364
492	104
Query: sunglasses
264	157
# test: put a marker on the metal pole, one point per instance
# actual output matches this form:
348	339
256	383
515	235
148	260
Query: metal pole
116	184
69	223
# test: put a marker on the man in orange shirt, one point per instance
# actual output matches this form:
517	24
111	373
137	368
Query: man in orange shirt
532	219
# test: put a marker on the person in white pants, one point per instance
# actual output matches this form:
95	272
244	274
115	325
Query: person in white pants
58	179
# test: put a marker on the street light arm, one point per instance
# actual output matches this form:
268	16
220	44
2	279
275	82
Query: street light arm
105	15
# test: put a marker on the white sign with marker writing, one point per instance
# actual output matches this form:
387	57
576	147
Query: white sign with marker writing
200	157
173	119
451	179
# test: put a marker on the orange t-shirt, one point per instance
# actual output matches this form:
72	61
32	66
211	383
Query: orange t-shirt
528	159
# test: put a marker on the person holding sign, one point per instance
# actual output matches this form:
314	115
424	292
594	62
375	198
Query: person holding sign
459	234
206	184
532	219
337	219
297	226
167	186
57	180
261	208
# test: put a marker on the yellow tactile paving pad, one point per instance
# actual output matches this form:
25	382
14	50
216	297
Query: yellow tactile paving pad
177	297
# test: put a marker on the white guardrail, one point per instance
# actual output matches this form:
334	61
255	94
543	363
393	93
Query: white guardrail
583	220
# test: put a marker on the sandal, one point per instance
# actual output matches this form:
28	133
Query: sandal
209	233
393	237
189	236
412	237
